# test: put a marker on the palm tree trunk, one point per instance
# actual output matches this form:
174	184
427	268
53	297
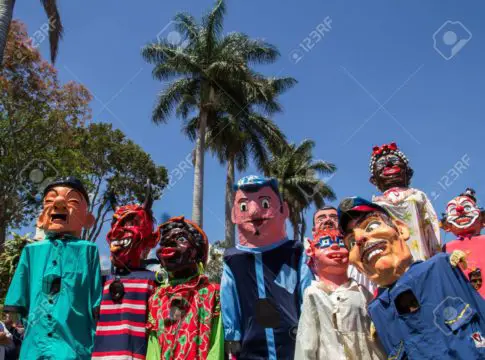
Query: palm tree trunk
6	12
229	200
198	200
303	227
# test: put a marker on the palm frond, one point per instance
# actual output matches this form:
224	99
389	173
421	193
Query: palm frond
55	26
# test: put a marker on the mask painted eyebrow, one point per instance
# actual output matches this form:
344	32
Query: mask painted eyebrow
242	200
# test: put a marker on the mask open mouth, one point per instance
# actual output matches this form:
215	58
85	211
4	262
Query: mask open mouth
58	218
258	222
120	245
372	250
336	256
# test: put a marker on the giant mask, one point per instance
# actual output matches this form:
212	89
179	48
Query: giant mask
183	245
65	208
259	212
376	241
328	254
463	217
131	236
389	167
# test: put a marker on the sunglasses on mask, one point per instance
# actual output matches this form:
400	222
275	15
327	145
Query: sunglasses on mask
327	241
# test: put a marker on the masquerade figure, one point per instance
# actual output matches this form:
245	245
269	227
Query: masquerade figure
326	218
264	276
391	174
476	278
334	323
424	310
184	319
57	285
465	220
121	330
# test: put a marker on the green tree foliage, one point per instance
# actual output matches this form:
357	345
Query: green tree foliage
209	73
9	260
215	263
37	115
45	133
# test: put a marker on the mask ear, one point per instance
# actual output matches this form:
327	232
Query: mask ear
372	180
42	219
285	210
403	228
309	251
233	214
89	221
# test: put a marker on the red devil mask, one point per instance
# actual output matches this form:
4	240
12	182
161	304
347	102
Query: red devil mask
131	236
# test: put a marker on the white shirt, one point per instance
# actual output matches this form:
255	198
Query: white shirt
335	325
361	279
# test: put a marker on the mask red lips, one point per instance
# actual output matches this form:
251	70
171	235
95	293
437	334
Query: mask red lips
389	171
168	252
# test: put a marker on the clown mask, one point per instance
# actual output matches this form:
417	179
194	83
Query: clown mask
463	217
377	246
259	215
65	211
131	236
328	254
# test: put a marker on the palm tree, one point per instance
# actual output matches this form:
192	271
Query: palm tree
209	73
237	138
297	173
55	25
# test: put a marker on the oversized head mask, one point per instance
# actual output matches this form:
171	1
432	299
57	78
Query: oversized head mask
131	236
376	241
183	245
328	254
259	212
463	217
65	208
389	167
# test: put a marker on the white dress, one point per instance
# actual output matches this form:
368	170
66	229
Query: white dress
335	325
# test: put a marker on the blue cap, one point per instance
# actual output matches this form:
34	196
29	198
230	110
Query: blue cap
254	182
348	208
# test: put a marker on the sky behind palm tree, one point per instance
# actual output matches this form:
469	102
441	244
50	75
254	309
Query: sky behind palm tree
373	77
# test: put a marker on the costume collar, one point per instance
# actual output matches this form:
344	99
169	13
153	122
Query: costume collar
59	236
262	249
384	293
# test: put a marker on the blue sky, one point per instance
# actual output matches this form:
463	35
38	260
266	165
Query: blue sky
374	77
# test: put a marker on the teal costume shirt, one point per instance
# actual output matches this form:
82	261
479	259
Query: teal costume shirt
56	288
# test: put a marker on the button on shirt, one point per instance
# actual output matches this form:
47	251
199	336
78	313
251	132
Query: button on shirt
335	324
56	288
450	321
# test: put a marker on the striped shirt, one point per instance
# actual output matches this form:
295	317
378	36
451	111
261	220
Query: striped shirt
121	332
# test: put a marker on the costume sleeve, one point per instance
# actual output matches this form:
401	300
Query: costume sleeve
231	309
154	351
306	275
431	227
308	330
18	296
216	350
96	286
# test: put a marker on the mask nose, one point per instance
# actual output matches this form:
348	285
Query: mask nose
334	246
460	209
60	203
360	237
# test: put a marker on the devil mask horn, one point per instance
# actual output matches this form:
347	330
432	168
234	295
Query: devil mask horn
147	204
